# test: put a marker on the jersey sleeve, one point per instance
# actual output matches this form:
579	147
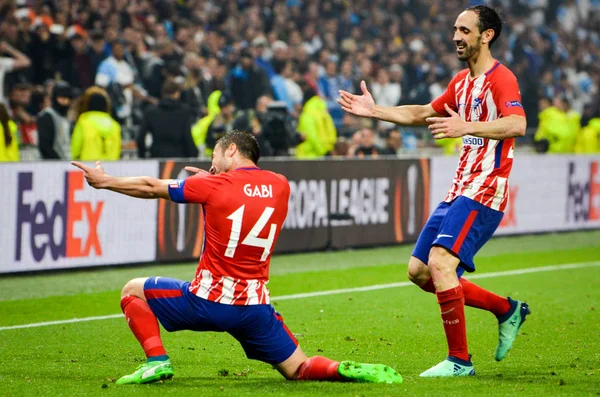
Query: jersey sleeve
195	189
448	97
507	96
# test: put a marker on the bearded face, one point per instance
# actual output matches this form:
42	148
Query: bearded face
466	51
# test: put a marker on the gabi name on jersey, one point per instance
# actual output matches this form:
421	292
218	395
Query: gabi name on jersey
262	191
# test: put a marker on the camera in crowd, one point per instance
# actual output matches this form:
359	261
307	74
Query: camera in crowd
279	128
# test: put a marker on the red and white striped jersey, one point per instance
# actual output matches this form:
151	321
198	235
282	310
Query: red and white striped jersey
244	211
485	164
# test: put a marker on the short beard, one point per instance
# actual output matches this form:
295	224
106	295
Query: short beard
470	51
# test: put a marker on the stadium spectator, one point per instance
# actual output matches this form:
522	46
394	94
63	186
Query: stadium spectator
200	129
169	124
354	143
54	127
248	82
556	127
18	60
367	146
253	120
315	125
9	146
330	85
96	136
46	49
281	70
192	94
98	50
385	93
393	143
222	122
340	148
588	139
117	76
77	69
209	303
19	100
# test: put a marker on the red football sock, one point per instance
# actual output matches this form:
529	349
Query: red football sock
428	286
143	324
319	368
475	296
452	305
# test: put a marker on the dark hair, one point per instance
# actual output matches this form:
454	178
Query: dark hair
170	88
245	141
226	99
4	119
488	19
278	66
98	102
389	132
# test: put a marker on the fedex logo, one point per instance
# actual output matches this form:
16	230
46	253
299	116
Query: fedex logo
583	201
510	216
45	233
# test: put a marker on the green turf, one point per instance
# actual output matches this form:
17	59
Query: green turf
558	352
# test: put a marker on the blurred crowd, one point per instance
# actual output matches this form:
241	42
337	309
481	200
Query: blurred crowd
100	79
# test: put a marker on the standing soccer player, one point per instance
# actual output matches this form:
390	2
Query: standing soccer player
245	208
482	105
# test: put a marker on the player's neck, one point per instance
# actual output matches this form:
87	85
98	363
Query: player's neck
480	64
242	163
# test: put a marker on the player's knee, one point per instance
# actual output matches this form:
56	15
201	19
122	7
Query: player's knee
441	262
418	272
134	287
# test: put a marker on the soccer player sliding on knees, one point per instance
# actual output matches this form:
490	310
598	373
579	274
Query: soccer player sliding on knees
482	105
245	208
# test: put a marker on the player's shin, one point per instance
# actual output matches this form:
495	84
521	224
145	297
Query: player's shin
480	298
452	308
143	324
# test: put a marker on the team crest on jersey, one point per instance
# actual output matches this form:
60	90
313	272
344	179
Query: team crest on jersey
476	108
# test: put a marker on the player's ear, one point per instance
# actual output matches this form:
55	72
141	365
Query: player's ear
232	149
487	36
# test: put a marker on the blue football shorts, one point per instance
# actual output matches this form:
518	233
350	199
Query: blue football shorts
259	328
462	226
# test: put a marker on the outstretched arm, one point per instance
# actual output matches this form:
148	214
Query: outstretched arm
20	60
364	106
138	186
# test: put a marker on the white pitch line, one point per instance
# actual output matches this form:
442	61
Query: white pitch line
335	292
59	322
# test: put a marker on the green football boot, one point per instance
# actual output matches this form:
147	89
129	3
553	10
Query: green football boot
450	367
508	327
368	373
149	372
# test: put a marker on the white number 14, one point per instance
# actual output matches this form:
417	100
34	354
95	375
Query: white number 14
252	238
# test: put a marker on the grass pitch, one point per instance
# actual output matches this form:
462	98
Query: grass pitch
557	352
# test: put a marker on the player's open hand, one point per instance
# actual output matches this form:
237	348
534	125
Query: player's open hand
95	177
448	127
358	105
